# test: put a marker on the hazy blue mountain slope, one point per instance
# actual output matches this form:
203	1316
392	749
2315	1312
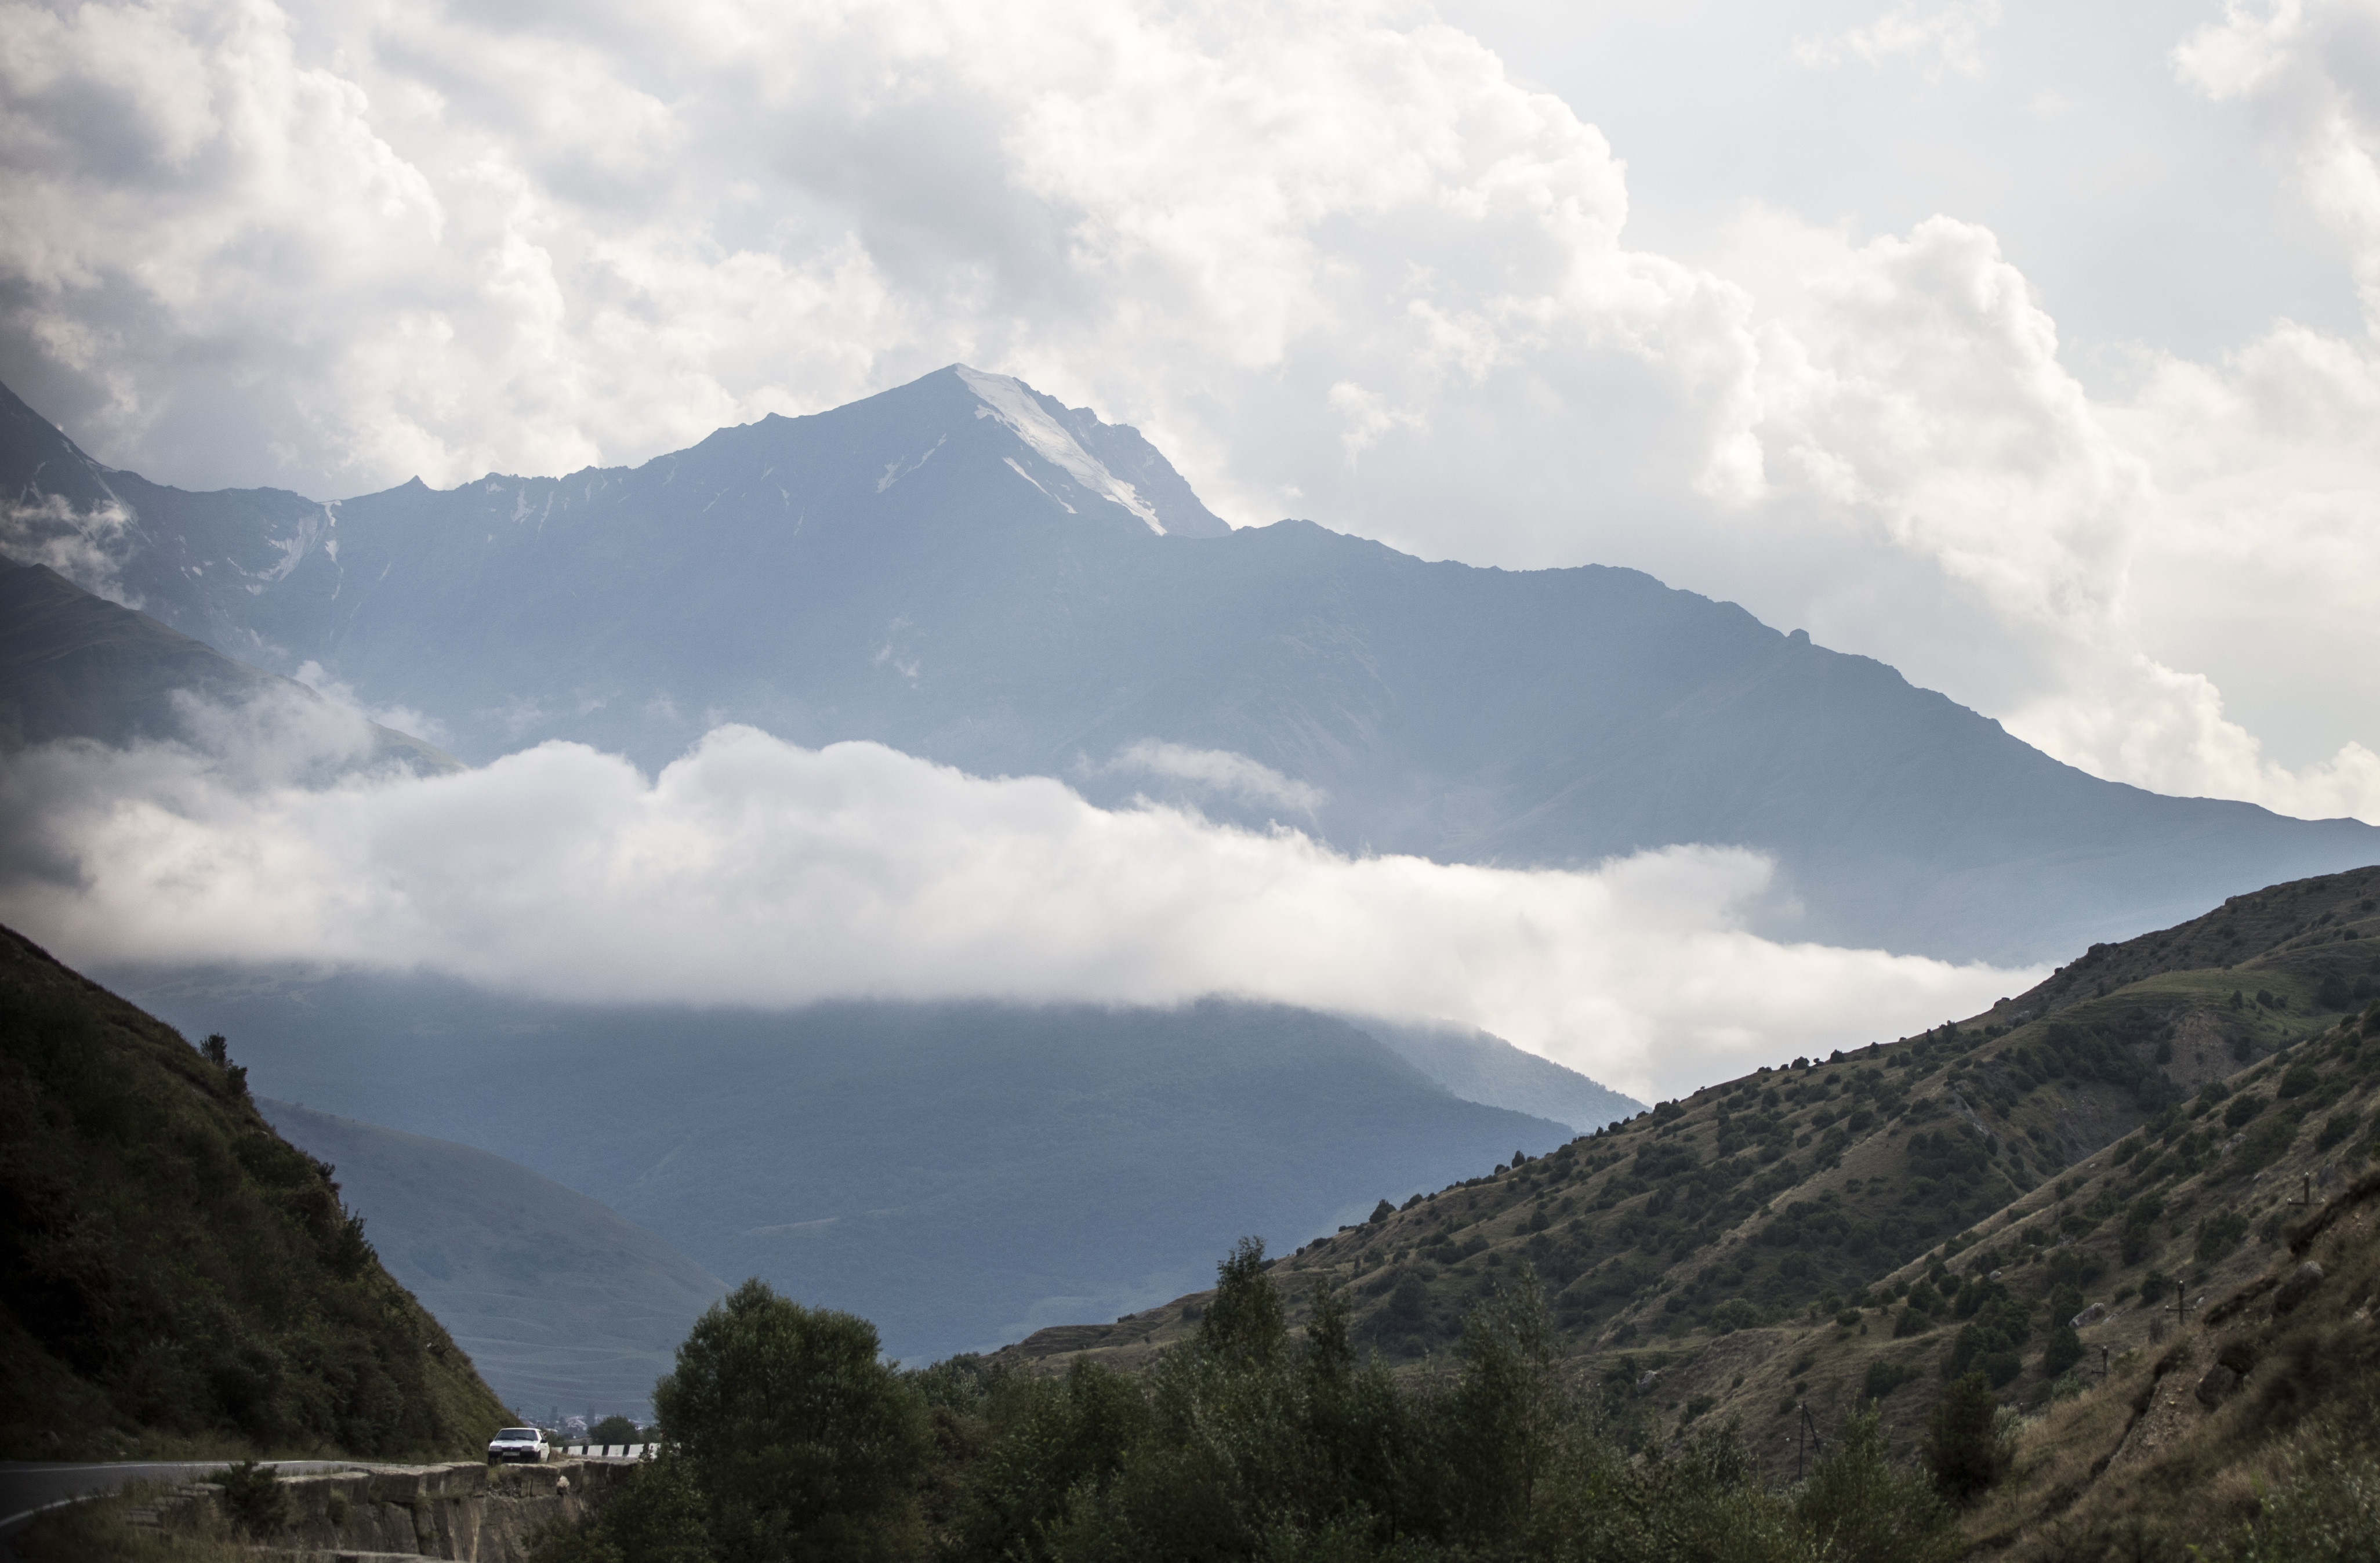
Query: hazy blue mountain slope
1480	1067
76	666
913	568
960	1173
561	1301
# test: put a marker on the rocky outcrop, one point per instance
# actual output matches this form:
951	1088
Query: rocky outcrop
2298	1288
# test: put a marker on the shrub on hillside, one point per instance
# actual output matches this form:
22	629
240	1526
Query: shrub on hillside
2265	1143
2341	1125
1962	1447
1735	1313
1862	1508
253	1500
2062	1351
2219	1235
2331	1515
1883	1377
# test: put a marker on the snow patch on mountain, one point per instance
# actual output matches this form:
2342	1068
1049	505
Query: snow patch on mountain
1012	402
896	470
1019	470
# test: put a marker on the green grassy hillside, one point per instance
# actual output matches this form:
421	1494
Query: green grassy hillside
1863	1226
174	1276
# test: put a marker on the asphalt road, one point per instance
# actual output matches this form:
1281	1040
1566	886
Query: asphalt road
27	1487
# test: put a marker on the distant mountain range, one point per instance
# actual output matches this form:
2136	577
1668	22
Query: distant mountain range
969	571
960	1173
77	666
1076	1157
561	1302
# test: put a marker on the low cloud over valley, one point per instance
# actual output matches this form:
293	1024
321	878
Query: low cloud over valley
755	872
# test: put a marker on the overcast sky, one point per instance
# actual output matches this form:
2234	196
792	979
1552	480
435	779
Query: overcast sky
2026	346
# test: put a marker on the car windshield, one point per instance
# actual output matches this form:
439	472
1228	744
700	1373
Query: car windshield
516	1433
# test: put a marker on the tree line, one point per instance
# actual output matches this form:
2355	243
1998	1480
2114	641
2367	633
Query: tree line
786	1438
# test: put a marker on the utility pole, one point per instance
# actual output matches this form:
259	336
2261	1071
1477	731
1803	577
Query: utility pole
1806	1439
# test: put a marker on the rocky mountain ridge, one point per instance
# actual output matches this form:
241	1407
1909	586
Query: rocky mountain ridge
957	573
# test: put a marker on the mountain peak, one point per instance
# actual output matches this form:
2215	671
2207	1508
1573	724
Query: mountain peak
1014	403
1110	461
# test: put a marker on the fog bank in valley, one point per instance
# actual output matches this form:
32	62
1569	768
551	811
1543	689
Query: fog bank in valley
755	872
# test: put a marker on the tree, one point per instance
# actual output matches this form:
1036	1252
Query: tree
1503	1416
1962	1448
1243	1326
1054	1442
804	1445
615	1429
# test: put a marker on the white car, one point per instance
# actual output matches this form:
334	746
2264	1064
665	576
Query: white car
518	1443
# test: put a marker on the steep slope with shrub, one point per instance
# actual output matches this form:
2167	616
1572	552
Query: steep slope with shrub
174	1276
2241	1420
1864	1225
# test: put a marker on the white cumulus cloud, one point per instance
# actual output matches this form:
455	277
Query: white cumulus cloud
755	872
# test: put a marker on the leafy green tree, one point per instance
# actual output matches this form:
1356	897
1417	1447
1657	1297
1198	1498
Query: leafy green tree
1501	1423
1054	1442
1243	1326
1355	1439
615	1429
802	1443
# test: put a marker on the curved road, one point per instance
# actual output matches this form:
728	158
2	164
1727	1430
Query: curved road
27	1487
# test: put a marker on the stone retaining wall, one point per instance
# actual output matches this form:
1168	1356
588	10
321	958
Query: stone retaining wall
477	1513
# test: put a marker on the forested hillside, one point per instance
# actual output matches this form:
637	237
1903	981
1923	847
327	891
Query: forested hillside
174	1276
